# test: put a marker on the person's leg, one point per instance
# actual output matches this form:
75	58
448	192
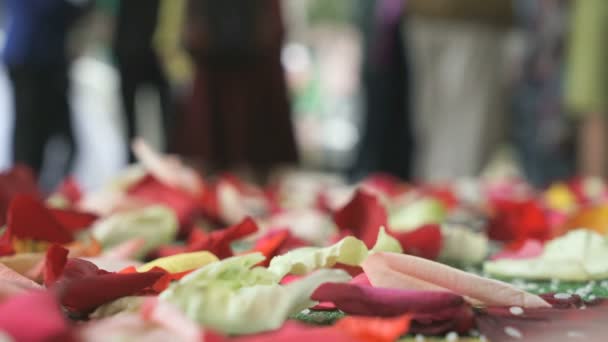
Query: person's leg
62	114
424	41
592	145
28	135
467	99
159	80
399	145
369	149
128	88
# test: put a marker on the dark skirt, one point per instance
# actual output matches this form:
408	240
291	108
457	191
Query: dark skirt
238	115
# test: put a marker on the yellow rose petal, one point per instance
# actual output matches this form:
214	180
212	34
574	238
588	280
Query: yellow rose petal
560	198
180	262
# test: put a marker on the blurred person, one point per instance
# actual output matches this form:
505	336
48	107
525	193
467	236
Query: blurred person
139	64
457	64
387	142
586	92
541	129
37	61
239	114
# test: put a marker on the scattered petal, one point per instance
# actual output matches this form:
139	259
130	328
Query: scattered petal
157	225
300	261
180	262
231	297
362	217
33	316
409	272
577	256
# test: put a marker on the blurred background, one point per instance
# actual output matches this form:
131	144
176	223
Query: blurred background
425	90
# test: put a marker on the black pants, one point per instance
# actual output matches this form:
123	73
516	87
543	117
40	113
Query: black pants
42	112
138	72
387	142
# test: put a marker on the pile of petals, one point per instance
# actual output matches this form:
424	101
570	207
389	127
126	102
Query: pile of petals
165	253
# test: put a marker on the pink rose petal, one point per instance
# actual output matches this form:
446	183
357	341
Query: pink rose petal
34	316
530	248
410	272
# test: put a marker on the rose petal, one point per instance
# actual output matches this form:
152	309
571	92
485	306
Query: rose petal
180	262
409	272
18	180
70	189
152	191
297	332
526	249
128	249
28	218
548	324
384	302
169	317
33	316
593	217
361	279
73	220
79	286
372	329
425	241
516	220
363	216
126	327
12	283
218	242
386	184
55	260
270	244
168	169
22	263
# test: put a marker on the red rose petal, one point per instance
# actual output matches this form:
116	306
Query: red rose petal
73	220
270	244
70	189
443	194
384	302
18	180
363	216
515	220
425	241
6	245
28	218
83	287
218	242
55	261
386	184
184	204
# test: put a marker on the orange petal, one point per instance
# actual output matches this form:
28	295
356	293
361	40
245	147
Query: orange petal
373	329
